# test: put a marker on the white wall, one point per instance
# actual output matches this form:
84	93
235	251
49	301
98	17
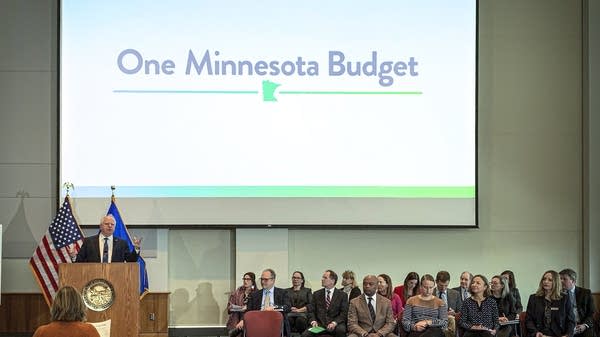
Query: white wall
530	159
592	130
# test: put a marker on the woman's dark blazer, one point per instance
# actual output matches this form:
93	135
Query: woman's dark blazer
563	318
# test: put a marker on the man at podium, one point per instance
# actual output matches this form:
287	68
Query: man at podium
105	247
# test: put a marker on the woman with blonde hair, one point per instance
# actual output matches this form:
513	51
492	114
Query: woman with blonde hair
548	312
349	285
425	315
67	315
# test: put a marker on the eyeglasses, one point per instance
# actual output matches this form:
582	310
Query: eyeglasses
266	279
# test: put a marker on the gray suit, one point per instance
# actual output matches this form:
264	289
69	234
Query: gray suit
454	299
461	291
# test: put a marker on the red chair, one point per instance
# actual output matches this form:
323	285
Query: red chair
522	325
263	324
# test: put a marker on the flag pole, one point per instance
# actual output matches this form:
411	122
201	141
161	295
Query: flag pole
112	197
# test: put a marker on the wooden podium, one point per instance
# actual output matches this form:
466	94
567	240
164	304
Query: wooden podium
124	277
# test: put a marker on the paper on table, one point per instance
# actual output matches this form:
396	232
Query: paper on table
102	327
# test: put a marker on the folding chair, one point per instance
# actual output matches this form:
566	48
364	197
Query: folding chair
263	324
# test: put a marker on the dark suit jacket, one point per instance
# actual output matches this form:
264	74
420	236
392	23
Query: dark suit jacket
90	251
454	299
338	308
359	318
562	317
281	300
585	306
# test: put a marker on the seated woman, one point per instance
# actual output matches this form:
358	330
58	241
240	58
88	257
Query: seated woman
512	287
237	303
410	287
349	285
506	305
548	312
479	313
384	288
301	298
425	315
67	315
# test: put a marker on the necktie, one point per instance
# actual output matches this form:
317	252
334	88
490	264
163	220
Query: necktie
572	297
371	309
267	302
105	251
444	298
465	294
328	299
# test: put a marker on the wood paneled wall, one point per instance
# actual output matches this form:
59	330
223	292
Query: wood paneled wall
22	313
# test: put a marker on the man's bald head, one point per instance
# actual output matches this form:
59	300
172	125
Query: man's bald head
370	285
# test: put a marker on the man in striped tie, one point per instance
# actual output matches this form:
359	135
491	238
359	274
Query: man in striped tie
329	309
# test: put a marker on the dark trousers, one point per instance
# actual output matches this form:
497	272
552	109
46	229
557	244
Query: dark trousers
477	333
298	323
505	331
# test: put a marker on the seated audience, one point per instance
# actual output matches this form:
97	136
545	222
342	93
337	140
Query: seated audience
425	315
329	308
450	297
506	305
238	301
512	285
479	313
583	303
349	285
269	298
301	298
410	287
370	315
465	281
67	315
548	312
384	288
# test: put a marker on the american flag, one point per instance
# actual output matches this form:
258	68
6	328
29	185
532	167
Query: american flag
52	250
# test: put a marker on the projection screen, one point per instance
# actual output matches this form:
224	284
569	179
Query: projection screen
312	113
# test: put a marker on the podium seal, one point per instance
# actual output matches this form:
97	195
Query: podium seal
98	295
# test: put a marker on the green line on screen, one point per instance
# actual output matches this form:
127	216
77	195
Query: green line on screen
186	91
284	191
287	92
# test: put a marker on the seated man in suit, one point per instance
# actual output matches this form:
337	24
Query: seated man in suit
370	315
329	308
113	249
583	303
450	297
269	298
463	289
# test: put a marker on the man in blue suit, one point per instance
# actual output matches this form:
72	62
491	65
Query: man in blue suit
105	247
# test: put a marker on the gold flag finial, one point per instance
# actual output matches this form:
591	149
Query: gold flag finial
68	186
